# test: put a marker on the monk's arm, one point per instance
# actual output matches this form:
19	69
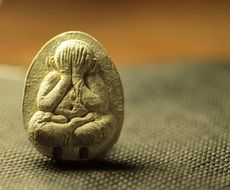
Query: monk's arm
94	94
52	90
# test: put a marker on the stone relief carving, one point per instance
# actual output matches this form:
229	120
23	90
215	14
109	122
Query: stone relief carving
73	117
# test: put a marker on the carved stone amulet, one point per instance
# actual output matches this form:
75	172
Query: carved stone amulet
73	105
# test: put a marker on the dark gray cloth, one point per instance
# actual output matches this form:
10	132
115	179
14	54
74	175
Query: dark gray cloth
176	135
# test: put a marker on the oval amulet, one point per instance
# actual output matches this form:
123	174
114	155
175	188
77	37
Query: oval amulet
73	102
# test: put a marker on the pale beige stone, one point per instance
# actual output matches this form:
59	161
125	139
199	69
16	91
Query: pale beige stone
73	105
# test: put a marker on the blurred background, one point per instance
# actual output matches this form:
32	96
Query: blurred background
133	31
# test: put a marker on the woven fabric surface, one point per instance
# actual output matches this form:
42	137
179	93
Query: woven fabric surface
176	135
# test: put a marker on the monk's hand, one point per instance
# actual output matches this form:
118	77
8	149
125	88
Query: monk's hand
79	121
65	62
81	63
59	119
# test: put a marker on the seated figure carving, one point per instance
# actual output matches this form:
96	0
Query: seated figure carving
73	100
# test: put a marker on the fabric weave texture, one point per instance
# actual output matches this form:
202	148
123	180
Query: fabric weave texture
176	135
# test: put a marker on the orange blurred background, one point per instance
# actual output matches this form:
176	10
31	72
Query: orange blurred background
132	31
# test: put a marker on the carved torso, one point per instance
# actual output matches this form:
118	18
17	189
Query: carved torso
71	106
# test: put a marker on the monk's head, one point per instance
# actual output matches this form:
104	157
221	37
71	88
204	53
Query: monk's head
72	52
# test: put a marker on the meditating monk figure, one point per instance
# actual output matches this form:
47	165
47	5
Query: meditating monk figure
73	100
